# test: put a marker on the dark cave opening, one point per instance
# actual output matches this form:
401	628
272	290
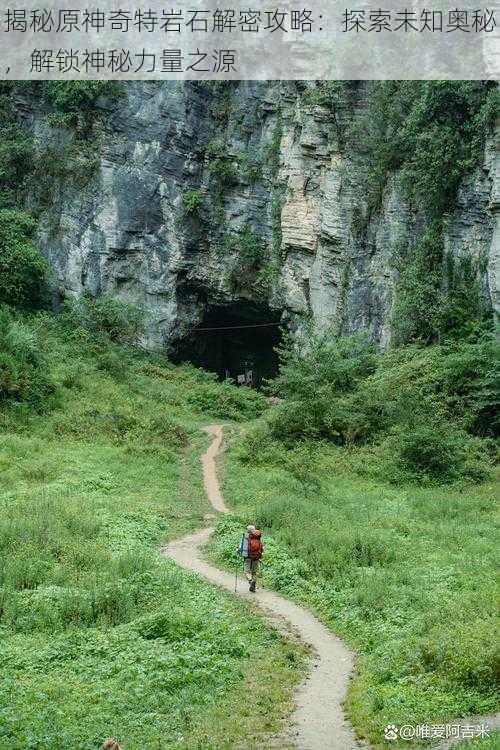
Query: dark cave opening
235	341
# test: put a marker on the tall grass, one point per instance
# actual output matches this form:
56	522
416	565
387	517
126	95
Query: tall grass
427	413
405	574
100	635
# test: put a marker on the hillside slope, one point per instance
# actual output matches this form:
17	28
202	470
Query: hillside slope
99	635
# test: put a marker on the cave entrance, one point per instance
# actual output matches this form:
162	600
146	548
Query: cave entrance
235	341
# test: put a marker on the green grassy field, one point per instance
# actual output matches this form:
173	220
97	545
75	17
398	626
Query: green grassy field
405	575
100	635
489	743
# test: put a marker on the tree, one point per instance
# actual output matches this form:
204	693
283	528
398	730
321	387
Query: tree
23	270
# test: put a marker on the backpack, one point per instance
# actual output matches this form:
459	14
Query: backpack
255	546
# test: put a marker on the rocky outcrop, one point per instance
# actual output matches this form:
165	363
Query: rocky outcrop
158	217
493	269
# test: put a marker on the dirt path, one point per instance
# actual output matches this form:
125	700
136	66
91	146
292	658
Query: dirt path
318	720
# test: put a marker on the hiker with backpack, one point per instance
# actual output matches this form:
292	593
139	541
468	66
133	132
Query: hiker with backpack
251	548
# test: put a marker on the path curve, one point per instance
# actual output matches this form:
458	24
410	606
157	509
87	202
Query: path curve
318	719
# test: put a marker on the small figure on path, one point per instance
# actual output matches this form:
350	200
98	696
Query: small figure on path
251	549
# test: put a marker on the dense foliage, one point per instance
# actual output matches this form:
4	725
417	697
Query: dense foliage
222	164
23	271
105	317
423	407
74	104
16	150
437	297
248	247
23	364
432	133
192	202
74	96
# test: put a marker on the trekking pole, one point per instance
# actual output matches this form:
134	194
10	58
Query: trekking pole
236	577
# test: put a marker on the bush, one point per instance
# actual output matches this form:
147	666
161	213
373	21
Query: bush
16	157
430	134
75	100
427	310
113	362
222	164
328	94
248	246
16	150
464	653
192	201
436	451
314	384
433	131
23	270
416	404
226	401
105	318
23	368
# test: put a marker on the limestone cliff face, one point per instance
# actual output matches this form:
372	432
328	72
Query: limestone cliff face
154	220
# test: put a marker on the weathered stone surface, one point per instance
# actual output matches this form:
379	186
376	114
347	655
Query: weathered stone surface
125	230
493	272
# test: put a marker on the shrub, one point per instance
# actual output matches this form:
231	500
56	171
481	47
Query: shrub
418	293
344	387
23	270
464	653
75	105
247	245
431	133
192	201
314	384
16	150
427	310
23	368
436	451
114	363
75	97
9	375
222	164
16	154
226	401
105	317
415	404
329	94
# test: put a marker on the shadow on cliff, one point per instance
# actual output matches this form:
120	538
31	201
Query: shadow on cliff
234	340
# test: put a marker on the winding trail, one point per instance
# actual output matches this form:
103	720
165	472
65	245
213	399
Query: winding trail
318	721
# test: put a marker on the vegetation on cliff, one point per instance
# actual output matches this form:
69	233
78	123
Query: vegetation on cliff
429	136
432	135
372	476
